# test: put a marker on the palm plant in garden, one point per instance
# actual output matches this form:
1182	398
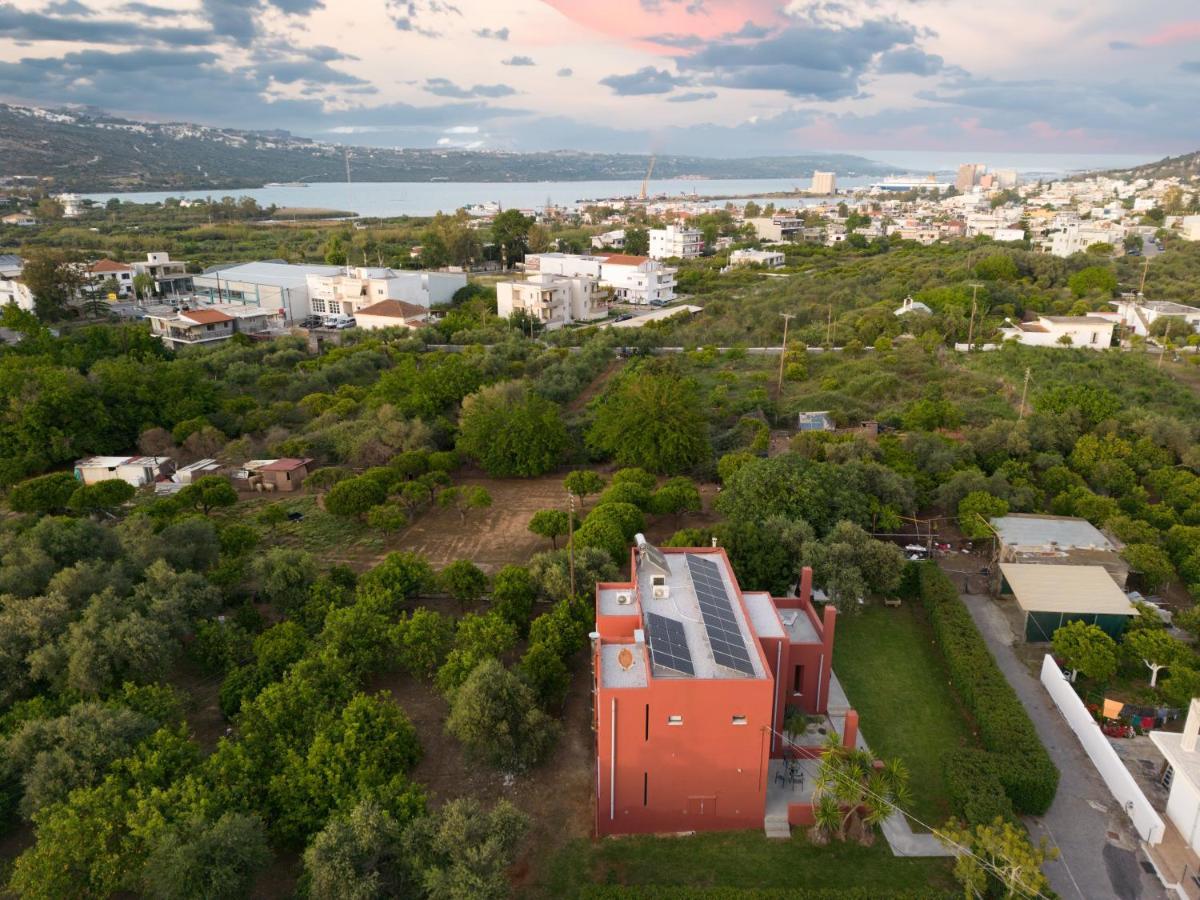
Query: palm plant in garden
854	793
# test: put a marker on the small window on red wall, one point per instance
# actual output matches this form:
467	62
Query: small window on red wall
798	680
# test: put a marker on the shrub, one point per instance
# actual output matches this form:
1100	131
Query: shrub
1016	755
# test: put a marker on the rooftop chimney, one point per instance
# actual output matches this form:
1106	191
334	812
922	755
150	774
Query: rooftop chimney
1191	727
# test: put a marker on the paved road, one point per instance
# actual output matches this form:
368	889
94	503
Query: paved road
1099	850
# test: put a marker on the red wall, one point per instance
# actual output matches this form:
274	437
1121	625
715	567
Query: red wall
706	774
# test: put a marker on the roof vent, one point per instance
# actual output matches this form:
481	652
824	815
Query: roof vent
625	658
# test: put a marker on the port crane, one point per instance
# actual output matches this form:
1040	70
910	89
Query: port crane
646	180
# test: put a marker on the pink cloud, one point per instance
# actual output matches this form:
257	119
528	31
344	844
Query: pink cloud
629	21
1174	33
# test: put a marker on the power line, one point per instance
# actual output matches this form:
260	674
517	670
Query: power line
1025	892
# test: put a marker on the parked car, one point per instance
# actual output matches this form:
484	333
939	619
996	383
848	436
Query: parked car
657	302
623	317
348	322
311	322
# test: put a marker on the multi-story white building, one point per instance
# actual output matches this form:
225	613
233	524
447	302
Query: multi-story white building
99	273
553	300
824	183
1090	332
675	242
633	279
350	290
72	207
1076	237
609	239
12	289
1140	315
170	275
209	324
776	228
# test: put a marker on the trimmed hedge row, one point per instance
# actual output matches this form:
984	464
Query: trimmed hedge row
1015	759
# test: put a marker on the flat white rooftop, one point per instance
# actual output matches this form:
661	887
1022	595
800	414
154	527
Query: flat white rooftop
1063	532
682	605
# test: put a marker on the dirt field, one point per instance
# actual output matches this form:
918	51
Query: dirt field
557	796
494	537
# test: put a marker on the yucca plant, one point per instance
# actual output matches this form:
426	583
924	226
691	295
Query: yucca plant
852	796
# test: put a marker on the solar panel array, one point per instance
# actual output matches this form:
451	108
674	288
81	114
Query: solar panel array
668	644
724	633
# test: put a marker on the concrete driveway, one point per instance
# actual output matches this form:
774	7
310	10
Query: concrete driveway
1100	853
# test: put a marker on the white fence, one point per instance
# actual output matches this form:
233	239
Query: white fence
1122	784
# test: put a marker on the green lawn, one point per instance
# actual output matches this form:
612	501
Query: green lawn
736	860
896	679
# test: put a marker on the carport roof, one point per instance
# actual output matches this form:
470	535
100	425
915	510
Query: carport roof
1066	589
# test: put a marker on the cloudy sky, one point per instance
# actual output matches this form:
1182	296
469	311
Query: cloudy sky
709	77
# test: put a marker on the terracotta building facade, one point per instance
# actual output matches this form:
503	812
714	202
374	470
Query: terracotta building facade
694	680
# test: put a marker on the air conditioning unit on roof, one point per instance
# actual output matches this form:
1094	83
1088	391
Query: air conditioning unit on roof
624	599
661	592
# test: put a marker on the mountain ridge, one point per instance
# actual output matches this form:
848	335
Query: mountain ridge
91	151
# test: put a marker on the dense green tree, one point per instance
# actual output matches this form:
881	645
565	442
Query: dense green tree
496	716
51	757
1155	649
849	563
54	280
477	638
513	596
207	493
1151	563
1093	279
651	420
423	640
355	497
465	851
677	496
1087	649
399	578
546	673
1000	860
359	857
637	241
464	581
199	860
285	576
551	573
511	431
975	512
550	523
583	483
44	494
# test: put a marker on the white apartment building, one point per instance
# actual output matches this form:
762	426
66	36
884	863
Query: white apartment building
12	289
675	242
170	275
771	259
1008	234
1076	237
824	183
614	239
349	290
553	300
1139	315
1090	332
633	279
776	228
1189	228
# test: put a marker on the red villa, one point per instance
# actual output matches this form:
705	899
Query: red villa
693	680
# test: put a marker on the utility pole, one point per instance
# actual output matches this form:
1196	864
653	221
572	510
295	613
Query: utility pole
571	539
971	328
829	329
787	317
1024	391
1145	269
1162	347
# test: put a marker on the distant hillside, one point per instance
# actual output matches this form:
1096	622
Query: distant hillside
1186	167
91	151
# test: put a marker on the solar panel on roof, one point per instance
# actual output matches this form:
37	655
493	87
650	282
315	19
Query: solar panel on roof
668	644
724	632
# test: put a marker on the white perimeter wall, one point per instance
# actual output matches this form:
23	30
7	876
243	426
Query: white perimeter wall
1126	791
